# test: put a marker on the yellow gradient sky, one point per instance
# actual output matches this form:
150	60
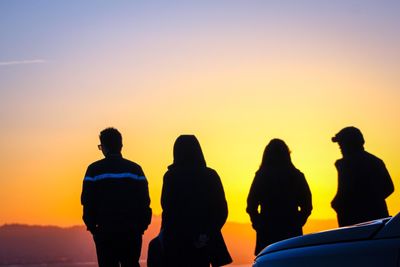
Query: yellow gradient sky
234	74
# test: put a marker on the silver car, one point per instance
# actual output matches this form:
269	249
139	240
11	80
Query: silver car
375	243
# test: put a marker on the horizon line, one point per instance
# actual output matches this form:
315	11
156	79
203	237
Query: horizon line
82	225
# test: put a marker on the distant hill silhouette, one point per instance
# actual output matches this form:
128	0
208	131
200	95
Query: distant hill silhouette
25	244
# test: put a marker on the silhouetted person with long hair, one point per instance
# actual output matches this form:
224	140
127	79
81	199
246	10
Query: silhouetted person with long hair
194	209
363	181
279	201
115	201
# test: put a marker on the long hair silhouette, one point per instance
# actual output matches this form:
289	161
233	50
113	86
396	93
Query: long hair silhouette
276	153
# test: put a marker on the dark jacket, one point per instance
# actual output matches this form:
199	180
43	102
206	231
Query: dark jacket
363	185
194	204
284	198
115	196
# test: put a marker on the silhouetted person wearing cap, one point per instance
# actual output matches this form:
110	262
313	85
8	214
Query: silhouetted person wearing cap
194	209
279	201
116	204
363	181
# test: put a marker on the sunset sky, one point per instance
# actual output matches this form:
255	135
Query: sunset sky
234	73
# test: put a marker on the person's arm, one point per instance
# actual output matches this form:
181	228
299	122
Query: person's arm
305	200
253	202
88	201
219	205
143	201
165	201
385	183
338	199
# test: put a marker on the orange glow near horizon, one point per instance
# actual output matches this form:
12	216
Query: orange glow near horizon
232	130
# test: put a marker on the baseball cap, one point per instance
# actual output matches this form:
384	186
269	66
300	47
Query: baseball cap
349	134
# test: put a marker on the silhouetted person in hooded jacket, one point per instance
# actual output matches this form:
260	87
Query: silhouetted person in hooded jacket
116	204
363	181
194	209
279	201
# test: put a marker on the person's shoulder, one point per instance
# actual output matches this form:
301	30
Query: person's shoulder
131	163
94	168
298	175
135	168
212	176
371	156
211	171
339	162
170	172
96	163
373	160
298	172
261	172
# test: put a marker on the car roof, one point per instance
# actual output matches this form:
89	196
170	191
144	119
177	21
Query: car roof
363	231
391	229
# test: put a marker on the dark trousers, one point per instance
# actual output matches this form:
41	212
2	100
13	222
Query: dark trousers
182	253
118	249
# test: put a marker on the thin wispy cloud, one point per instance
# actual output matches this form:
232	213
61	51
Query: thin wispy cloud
22	62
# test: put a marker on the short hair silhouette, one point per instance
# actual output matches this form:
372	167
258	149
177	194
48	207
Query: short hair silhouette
187	152
111	138
116	204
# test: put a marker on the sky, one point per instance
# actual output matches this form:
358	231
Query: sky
234	73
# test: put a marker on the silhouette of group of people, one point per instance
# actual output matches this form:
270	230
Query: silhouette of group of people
116	202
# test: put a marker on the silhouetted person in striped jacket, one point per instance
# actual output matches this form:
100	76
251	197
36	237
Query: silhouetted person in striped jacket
115	201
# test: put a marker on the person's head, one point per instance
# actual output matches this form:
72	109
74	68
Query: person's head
187	152
110	141
276	153
350	140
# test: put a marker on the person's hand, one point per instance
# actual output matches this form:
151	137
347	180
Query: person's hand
93	229
256	223
201	241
